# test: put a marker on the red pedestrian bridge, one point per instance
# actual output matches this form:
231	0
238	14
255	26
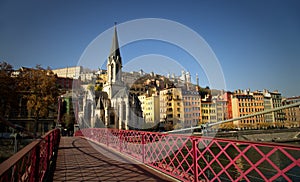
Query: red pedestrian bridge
100	154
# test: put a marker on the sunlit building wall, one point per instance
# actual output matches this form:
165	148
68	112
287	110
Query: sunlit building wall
69	72
242	105
273	100
171	106
192	108
292	114
150	107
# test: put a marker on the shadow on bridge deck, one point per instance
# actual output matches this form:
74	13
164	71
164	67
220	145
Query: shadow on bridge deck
80	160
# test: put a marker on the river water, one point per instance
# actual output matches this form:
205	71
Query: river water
278	158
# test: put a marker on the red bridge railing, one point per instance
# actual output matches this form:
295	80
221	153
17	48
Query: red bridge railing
190	158
32	162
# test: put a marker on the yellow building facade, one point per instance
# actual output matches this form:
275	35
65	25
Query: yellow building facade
207	114
242	105
150	107
171	106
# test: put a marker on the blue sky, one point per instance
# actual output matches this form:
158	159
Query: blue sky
257	42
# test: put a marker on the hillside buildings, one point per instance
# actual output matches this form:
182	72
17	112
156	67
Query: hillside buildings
69	72
246	102
137	100
292	115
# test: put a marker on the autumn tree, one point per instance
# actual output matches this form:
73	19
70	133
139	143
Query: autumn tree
40	90
179	125
168	126
227	126
8	99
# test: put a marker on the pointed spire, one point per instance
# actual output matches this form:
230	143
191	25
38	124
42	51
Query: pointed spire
115	51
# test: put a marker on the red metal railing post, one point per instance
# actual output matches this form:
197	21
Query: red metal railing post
29	163
37	163
143	147
48	150
120	140
106	131
205	158
195	162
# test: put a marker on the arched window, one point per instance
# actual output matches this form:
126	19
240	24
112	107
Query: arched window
117	70
112	71
112	119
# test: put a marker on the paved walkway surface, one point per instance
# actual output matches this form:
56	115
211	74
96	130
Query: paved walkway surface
81	160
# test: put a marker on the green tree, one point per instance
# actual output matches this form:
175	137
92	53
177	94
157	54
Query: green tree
168	126
40	90
91	87
178	126
68	120
98	88
8	94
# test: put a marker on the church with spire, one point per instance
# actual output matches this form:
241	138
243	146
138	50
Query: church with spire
114	106
114	68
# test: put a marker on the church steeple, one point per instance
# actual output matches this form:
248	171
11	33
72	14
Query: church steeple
114	68
114	63
115	51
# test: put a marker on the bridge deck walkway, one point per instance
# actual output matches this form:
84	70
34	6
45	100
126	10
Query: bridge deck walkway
81	160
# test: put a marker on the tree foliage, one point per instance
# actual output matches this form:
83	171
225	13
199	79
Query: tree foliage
228	126
168	126
91	87
203	91
39	89
98	88
68	119
178	126
7	89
